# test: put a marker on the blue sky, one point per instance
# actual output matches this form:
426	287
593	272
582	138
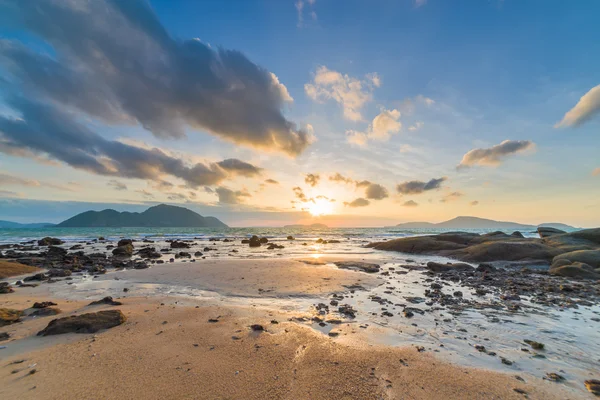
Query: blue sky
389	92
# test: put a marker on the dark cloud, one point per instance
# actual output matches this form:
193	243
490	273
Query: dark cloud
416	187
312	179
228	196
117	185
375	191
113	60
9	193
145	193
272	181
239	167
299	193
410	203
177	196
340	178
494	155
7	180
360	202
44	129
474	203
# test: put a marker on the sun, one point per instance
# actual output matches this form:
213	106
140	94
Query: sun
320	207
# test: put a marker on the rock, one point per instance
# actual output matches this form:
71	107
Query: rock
43	304
485	268
264	240
534	344
593	385
552	376
257	328
148	252
123	251
36	277
48	241
4	336
124	242
590	257
59	273
9	316
76	247
545	231
291	238
254	241
439	267
45	312
108	300
85	323
575	270
517	234
179	245
273	246
358	265
183	254
198	254
56	252
5	288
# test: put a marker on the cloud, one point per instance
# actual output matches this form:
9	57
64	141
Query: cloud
451	197
494	155
117	185
596	172
114	61
300	5
6	179
585	109
416	126
375	191
351	93
386	123
474	203
417	187
340	178
177	196
145	193
410	203
9	193
419	3
44	129
299	193
312	179
360	202
272	182
228	196
238	167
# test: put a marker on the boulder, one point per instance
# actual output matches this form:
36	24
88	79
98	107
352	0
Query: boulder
9	316
123	242
123	251
576	270
358	265
44	312
43	304
439	267
59	273
545	231
254	241
5	288
290	238
264	240
56	252
517	234
85	323
179	245
590	257
108	300
149	252
49	241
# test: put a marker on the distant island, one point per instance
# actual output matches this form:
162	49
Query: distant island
481	223
17	225
160	216
311	226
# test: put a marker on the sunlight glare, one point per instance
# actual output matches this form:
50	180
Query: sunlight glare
320	207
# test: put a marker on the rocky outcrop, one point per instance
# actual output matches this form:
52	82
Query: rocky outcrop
583	246
9	316
175	244
545	231
49	241
85	323
575	270
439	267
123	251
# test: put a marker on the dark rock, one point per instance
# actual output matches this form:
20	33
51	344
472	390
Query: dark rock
439	267
183	254
291	238
56	252
485	268
45	312
108	300
148	252
48	241
590	257
124	242
5	288
76	247
254	241
123	251
197	254
553	376
257	328
545	231
4	336
85	323
264	240
59	273
593	386
358	265
575	270
179	245
534	344
517	234
36	277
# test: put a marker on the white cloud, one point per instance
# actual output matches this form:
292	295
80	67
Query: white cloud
351	93
386	123
493	156
300	7
420	3
586	108
416	126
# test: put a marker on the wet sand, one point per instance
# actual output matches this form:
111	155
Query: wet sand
172	351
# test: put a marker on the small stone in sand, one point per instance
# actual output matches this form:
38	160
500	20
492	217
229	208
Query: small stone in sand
593	385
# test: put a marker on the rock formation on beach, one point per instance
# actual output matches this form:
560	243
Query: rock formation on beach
575	254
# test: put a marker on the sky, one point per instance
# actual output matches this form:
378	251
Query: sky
263	112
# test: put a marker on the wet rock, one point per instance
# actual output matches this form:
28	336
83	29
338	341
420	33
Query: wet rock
593	385
56	253
439	267
4	336
575	270
254	241
347	311
179	245
257	328
273	246
534	344
124	242
291	238
59	273
85	323
76	247
264	240
43	304
553	376
358	265
589	257
36	277
9	316
506	361
183	254
485	268
123	251
108	300
49	241
148	252
517	234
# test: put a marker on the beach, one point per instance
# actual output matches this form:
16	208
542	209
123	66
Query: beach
324	324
